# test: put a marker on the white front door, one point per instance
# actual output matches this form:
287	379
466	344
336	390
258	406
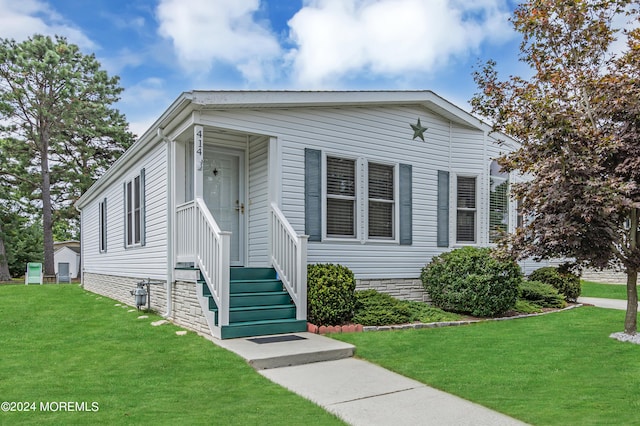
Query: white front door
223	187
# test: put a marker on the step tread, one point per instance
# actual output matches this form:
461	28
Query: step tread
264	322
260	307
260	293
264	280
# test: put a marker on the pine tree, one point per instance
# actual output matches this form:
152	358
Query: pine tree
62	126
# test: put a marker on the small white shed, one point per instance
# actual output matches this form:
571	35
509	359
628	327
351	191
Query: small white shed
67	261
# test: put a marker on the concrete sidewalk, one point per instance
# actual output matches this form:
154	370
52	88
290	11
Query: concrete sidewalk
605	303
362	393
322	370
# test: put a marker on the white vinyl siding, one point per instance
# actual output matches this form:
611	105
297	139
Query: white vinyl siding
379	135
149	261
258	203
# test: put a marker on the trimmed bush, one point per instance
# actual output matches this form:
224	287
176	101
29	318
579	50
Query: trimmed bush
541	294
470	280
526	307
375	308
567	283
330	294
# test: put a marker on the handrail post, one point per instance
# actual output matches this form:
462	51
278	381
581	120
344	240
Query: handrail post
224	261
196	237
301	279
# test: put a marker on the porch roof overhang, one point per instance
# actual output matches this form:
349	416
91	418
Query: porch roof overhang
202	100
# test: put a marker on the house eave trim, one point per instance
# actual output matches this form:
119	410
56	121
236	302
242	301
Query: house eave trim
145	143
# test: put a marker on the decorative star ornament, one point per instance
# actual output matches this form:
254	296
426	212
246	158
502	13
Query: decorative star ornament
418	130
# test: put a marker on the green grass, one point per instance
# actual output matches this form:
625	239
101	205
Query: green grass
60	343
555	369
607	291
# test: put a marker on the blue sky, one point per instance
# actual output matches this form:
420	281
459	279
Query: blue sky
160	48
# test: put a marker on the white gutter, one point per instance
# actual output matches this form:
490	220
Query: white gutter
170	213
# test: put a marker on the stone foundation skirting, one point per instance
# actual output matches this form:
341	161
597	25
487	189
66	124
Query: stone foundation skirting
185	311
400	288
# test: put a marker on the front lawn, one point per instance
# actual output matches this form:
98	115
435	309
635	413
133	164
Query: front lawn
62	344
561	368
607	291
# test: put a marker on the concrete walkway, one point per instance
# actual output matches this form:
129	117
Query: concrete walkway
605	303
360	393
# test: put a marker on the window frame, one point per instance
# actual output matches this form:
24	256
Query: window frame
361	201
326	196
395	210
500	178
467	209
134	211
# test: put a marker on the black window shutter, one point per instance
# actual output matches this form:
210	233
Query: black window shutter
406	214
143	211
104	224
313	194
124	209
443	208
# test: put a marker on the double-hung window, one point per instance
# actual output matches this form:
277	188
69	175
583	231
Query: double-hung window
134	210
357	200
466	210
381	201
498	202
341	197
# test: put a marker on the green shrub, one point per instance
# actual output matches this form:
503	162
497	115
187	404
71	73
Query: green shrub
541	294
375	308
470	280
330	294
566	282
526	307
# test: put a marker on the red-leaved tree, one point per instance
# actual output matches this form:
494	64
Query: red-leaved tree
577	120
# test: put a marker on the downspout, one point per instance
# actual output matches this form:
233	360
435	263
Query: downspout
170	212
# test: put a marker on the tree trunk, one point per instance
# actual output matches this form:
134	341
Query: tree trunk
47	213
631	318
4	265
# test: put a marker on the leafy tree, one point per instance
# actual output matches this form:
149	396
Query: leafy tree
577	121
60	129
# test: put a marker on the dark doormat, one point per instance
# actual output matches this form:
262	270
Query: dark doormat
277	339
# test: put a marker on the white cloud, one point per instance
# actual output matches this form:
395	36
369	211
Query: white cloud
122	59
146	92
145	101
21	19
336	38
207	31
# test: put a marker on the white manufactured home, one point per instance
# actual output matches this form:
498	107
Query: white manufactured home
230	194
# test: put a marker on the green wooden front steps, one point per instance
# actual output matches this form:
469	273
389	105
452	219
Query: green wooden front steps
259	304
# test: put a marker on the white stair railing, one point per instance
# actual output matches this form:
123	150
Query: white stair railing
289	258
212	247
185	232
